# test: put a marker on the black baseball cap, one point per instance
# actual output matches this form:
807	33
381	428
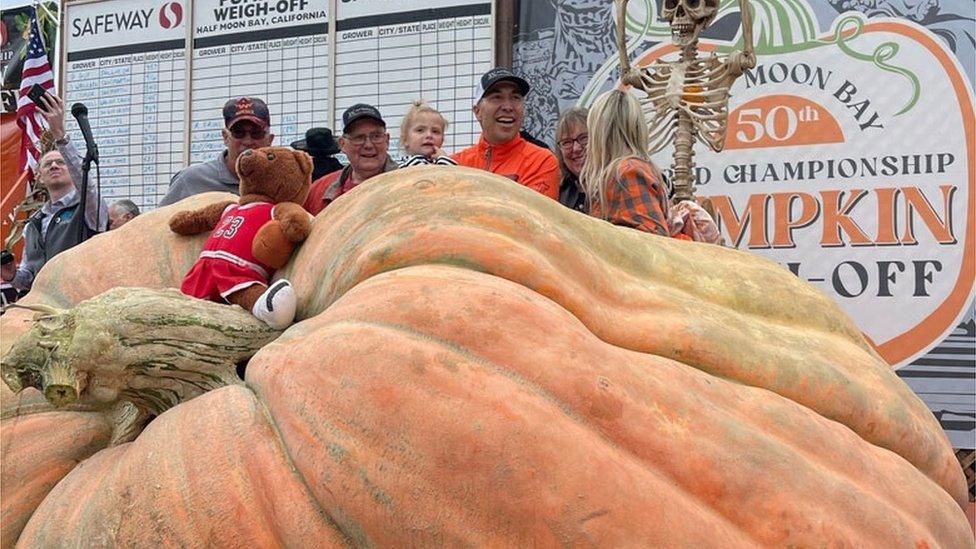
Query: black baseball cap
246	108
496	75
358	112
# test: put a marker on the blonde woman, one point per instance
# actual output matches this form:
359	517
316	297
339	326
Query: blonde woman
622	184
422	135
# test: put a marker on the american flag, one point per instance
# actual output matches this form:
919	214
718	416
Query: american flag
37	70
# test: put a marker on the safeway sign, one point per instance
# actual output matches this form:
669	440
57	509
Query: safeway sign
849	160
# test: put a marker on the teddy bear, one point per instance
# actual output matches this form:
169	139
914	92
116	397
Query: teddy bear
252	237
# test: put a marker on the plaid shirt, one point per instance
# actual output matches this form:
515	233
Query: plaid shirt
636	198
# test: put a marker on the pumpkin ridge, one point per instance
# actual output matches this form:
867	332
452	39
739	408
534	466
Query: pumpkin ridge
92	481
733	416
342	327
52	457
296	472
394	204
477	213
572	413
869	490
352	533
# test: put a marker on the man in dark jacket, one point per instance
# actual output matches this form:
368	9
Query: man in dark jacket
322	147
55	228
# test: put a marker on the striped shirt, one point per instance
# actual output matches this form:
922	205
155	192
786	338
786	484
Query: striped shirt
421	160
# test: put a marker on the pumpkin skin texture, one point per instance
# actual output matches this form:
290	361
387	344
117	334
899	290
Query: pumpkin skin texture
479	365
728	313
421	425
41	455
161	491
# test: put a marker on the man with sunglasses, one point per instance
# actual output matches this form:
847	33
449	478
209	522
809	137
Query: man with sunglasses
366	144
247	123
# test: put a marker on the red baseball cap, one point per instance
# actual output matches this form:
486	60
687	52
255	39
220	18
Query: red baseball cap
246	108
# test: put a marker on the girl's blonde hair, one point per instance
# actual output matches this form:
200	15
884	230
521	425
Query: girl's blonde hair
419	106
616	132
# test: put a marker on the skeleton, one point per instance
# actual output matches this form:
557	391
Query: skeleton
688	99
22	212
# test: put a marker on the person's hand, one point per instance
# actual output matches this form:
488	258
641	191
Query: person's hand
53	113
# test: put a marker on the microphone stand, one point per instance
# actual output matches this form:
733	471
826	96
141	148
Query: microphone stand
91	155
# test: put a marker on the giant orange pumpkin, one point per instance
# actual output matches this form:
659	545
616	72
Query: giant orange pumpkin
478	365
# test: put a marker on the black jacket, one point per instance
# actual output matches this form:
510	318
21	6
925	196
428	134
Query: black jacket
571	195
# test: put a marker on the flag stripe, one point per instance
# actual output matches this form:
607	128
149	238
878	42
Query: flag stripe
37	70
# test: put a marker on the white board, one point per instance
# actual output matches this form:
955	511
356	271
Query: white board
278	51
126	61
431	50
136	63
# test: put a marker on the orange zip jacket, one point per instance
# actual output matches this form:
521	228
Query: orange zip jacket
518	160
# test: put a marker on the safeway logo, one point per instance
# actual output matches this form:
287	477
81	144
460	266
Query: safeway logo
170	15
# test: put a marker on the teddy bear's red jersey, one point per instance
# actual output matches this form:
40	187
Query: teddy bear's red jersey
227	263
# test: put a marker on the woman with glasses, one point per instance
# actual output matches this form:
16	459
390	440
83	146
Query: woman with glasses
571	139
623	185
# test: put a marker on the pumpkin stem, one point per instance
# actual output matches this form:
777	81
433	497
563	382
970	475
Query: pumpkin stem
152	348
59	383
12	377
38	308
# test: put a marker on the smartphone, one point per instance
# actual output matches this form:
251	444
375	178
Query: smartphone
36	93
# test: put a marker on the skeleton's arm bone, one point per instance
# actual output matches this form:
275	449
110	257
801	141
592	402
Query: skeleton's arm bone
739	62
622	36
627	74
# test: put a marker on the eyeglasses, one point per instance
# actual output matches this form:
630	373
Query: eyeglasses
52	162
360	140
567	144
255	133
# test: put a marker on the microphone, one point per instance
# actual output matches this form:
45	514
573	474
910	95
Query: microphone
80	112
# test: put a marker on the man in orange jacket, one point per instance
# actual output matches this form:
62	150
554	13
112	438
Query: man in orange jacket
500	109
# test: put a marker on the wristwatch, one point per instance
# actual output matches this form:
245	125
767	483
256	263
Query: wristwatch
63	141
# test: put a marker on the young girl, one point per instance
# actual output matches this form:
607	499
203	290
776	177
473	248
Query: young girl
421	136
622	184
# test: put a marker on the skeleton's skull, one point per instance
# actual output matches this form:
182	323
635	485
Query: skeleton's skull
688	18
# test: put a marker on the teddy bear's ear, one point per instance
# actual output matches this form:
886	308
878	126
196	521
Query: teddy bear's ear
305	163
